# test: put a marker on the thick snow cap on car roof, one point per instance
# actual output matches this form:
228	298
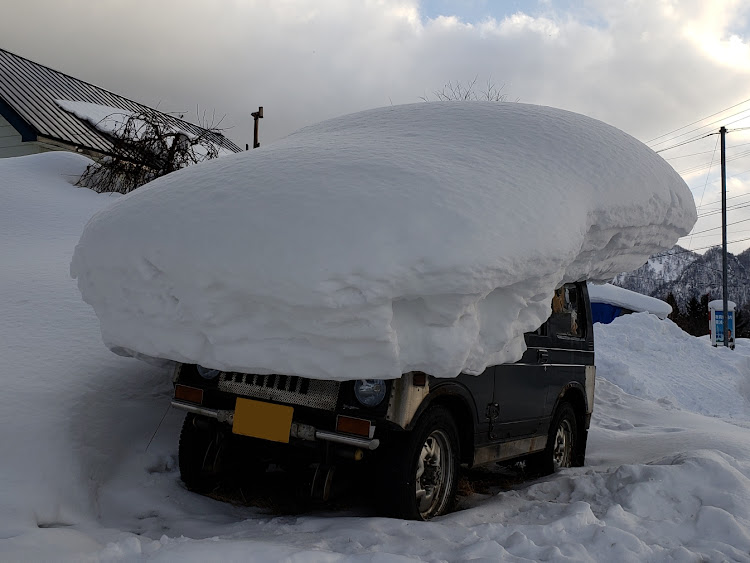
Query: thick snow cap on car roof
422	237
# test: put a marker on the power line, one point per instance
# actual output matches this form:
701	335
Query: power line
702	119
728	243
735	233
717	211
685	142
705	152
690	242
735	121
714	228
733	197
701	248
728	177
699	167
708	125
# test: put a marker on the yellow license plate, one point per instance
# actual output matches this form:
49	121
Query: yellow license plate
262	420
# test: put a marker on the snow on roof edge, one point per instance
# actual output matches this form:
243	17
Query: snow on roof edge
621	297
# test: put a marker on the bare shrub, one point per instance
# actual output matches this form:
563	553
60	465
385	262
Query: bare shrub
467	91
145	146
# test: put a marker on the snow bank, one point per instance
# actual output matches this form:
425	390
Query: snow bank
657	360
621	297
45	346
422	237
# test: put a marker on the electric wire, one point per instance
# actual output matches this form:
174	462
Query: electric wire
733	197
699	167
734	233
719	227
690	241
698	121
718	211
670	253
712	123
728	177
686	142
704	152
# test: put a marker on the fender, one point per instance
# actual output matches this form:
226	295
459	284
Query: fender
453	390
580	392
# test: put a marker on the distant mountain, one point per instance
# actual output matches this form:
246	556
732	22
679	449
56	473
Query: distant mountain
688	274
661	269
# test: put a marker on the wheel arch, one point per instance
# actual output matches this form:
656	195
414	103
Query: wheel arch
456	400
574	394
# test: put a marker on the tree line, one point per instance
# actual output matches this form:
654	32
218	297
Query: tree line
693	319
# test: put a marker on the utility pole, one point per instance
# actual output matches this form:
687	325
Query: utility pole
256	116
724	291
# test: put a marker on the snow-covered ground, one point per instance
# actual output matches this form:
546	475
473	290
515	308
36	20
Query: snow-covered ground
667	476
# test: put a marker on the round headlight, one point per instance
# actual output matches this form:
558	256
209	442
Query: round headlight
207	373
369	392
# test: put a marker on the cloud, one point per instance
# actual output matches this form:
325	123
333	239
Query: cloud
645	66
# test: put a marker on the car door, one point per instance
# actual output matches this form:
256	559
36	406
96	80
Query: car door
520	390
480	391
571	348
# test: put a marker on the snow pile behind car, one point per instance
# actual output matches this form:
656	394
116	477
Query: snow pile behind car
422	237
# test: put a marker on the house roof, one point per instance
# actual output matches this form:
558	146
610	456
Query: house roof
28	92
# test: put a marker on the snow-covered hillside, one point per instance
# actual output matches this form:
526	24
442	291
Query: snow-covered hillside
687	274
660	269
667	475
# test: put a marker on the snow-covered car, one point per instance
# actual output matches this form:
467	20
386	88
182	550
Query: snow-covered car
365	288
417	429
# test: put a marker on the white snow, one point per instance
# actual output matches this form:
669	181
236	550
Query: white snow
718	304
621	297
105	118
111	120
696	376
423	237
667	476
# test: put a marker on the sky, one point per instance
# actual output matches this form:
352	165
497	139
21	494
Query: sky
646	66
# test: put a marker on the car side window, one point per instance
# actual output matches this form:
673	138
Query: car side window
568	317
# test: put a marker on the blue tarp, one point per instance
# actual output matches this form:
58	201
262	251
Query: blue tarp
604	312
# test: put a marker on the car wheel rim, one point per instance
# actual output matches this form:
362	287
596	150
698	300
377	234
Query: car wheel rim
561	451
434	473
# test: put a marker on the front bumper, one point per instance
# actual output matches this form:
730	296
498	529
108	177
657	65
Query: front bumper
298	430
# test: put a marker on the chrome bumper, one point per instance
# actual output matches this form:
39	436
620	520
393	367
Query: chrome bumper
301	431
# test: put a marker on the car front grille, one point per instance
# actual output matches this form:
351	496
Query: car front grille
315	393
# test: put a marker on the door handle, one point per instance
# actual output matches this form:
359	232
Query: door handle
542	356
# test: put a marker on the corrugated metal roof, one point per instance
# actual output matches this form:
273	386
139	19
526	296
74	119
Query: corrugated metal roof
30	90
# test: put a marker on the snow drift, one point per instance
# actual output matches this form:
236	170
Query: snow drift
421	237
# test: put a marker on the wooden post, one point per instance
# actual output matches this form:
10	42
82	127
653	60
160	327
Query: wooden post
256	116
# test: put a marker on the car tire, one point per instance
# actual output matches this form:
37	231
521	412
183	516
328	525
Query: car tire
203	447
562	449
425	468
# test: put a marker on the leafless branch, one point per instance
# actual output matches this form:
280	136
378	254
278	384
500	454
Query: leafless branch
148	145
